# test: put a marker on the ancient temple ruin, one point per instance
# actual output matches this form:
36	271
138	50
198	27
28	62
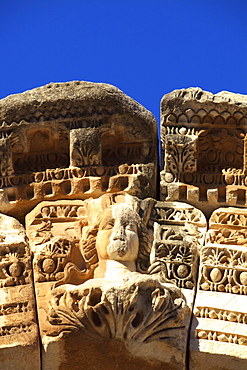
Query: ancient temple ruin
108	261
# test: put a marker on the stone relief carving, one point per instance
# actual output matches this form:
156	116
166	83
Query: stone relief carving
179	232
221	150
180	154
203	148
224	269
18	327
222	337
222	284
53	229
221	314
15	258
133	309
114	296
85	147
70	144
115	276
6	164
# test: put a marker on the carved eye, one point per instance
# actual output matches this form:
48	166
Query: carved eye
108	225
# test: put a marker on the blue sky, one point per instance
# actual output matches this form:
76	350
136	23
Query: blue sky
145	48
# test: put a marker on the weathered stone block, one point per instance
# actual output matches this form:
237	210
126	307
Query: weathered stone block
74	140
19	339
219	331
96	283
204	145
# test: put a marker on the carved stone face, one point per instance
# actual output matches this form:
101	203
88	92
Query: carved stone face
117	237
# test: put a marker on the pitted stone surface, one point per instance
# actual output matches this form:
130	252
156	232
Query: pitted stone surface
19	338
93	274
114	268
74	140
220	317
204	148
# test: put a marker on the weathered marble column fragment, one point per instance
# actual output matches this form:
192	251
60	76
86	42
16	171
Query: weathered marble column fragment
204	148
19	341
219	329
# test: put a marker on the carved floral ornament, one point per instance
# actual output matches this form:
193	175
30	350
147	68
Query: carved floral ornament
109	271
75	140
109	233
109	264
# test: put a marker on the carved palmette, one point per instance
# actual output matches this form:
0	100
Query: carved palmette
203	149
222	282
180	154
179	231
125	313
85	147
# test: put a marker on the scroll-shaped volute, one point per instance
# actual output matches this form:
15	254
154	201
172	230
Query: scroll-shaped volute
19	346
54	231
117	300
74	140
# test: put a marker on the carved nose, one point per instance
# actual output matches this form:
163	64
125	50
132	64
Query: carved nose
119	233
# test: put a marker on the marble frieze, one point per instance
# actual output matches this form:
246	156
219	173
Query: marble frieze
105	262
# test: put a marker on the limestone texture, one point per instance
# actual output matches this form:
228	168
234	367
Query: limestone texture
204	148
74	140
219	324
100	270
93	274
19	339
